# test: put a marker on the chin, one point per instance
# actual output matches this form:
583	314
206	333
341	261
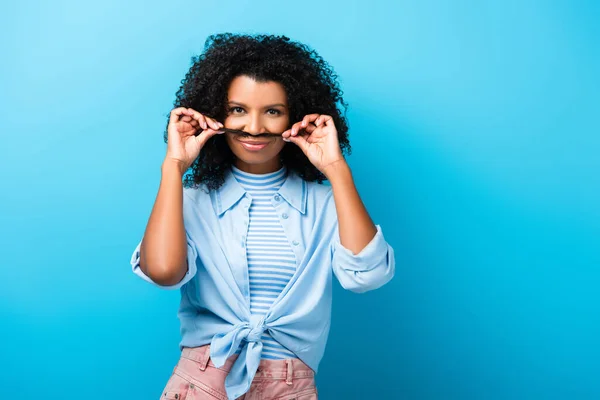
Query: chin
260	163
255	159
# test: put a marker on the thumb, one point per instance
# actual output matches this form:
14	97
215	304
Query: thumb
203	136
301	142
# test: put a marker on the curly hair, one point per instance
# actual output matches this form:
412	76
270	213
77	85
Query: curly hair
309	81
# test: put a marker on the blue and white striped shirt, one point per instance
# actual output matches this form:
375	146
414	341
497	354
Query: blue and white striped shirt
215	291
271	260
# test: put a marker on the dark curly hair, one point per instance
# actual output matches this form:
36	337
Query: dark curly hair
310	84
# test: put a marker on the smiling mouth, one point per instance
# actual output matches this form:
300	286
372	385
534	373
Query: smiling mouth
254	143
253	146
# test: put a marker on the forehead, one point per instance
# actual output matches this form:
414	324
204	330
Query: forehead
246	90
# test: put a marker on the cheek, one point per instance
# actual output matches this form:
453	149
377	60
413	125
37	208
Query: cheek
285	122
229	140
228	120
234	145
278	145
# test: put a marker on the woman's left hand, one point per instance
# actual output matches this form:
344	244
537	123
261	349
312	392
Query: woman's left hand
320	143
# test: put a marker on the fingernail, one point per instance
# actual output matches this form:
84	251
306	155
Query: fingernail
286	140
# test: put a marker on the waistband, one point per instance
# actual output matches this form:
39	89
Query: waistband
285	369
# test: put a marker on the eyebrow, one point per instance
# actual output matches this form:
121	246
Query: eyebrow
269	106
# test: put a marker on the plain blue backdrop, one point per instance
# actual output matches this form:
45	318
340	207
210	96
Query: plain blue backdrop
476	141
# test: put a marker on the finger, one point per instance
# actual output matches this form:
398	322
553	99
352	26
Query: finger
187	123
203	137
187	129
213	123
309	118
296	128
175	113
199	117
194	122
324	119
208	132
310	128
300	141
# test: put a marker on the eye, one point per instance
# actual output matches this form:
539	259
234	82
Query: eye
274	111
236	110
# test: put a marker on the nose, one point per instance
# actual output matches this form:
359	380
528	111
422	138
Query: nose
254	126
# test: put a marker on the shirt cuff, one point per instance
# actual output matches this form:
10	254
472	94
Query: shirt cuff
367	259
191	271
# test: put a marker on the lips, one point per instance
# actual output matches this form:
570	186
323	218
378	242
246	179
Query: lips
253	146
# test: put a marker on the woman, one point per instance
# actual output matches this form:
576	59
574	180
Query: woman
251	235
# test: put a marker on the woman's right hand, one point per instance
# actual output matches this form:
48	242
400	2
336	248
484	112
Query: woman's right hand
183	146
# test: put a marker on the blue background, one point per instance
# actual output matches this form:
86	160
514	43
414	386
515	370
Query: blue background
475	132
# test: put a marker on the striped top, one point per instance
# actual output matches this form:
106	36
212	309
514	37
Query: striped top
271	261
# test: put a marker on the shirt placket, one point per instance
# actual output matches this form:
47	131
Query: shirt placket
290	221
239	245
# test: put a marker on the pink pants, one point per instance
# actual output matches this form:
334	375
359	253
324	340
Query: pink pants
196	377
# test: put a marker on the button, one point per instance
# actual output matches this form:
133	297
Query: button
284	216
295	243
277	198
191	385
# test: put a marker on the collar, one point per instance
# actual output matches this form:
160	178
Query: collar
293	191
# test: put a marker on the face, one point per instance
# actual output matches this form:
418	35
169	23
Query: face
256	107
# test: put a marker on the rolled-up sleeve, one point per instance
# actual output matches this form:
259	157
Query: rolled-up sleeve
370	269
192	256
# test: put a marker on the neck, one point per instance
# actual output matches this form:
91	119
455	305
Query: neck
265	168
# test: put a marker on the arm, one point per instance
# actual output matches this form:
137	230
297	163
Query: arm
355	225
163	251
362	259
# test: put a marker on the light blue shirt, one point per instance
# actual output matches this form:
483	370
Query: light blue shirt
215	294
271	260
